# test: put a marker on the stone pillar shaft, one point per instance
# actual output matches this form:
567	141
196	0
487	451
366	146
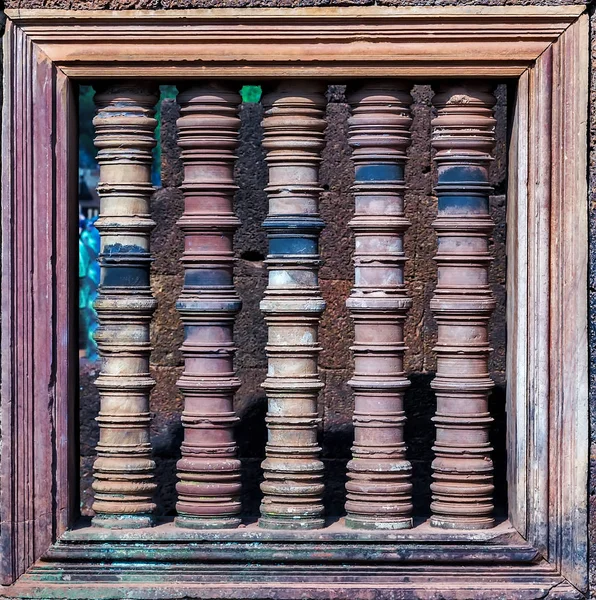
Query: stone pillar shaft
463	138
209	471
379	487
293	137
124	469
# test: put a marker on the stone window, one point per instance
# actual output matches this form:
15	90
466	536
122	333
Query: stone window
491	500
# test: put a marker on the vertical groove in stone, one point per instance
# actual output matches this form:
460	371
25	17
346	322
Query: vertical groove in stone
209	470
124	469
293	138
379	487
463	136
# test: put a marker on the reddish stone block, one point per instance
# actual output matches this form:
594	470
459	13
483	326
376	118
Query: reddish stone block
250	173
167	242
337	407
166	396
337	203
171	164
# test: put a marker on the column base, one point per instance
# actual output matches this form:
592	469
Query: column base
469	523
188	522
291	523
123	521
357	522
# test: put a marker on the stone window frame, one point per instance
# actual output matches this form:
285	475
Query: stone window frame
543	548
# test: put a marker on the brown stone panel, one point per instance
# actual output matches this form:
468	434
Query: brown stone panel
250	404
335	470
336	333
166	440
336	205
171	164
250	332
498	168
252	476
166	239
166	435
420	238
250	173
166	327
166	397
498	267
420	406
337	408
497	278
88	407
86	485
165	474
250	242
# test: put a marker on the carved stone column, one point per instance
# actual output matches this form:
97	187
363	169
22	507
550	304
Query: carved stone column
209	471
293	137
124	468
379	487
463	138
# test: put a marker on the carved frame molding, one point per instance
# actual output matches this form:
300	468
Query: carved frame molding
546	49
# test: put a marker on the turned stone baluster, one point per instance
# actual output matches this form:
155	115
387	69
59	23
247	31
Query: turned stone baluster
124	469
463	138
209	471
293	137
379	487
